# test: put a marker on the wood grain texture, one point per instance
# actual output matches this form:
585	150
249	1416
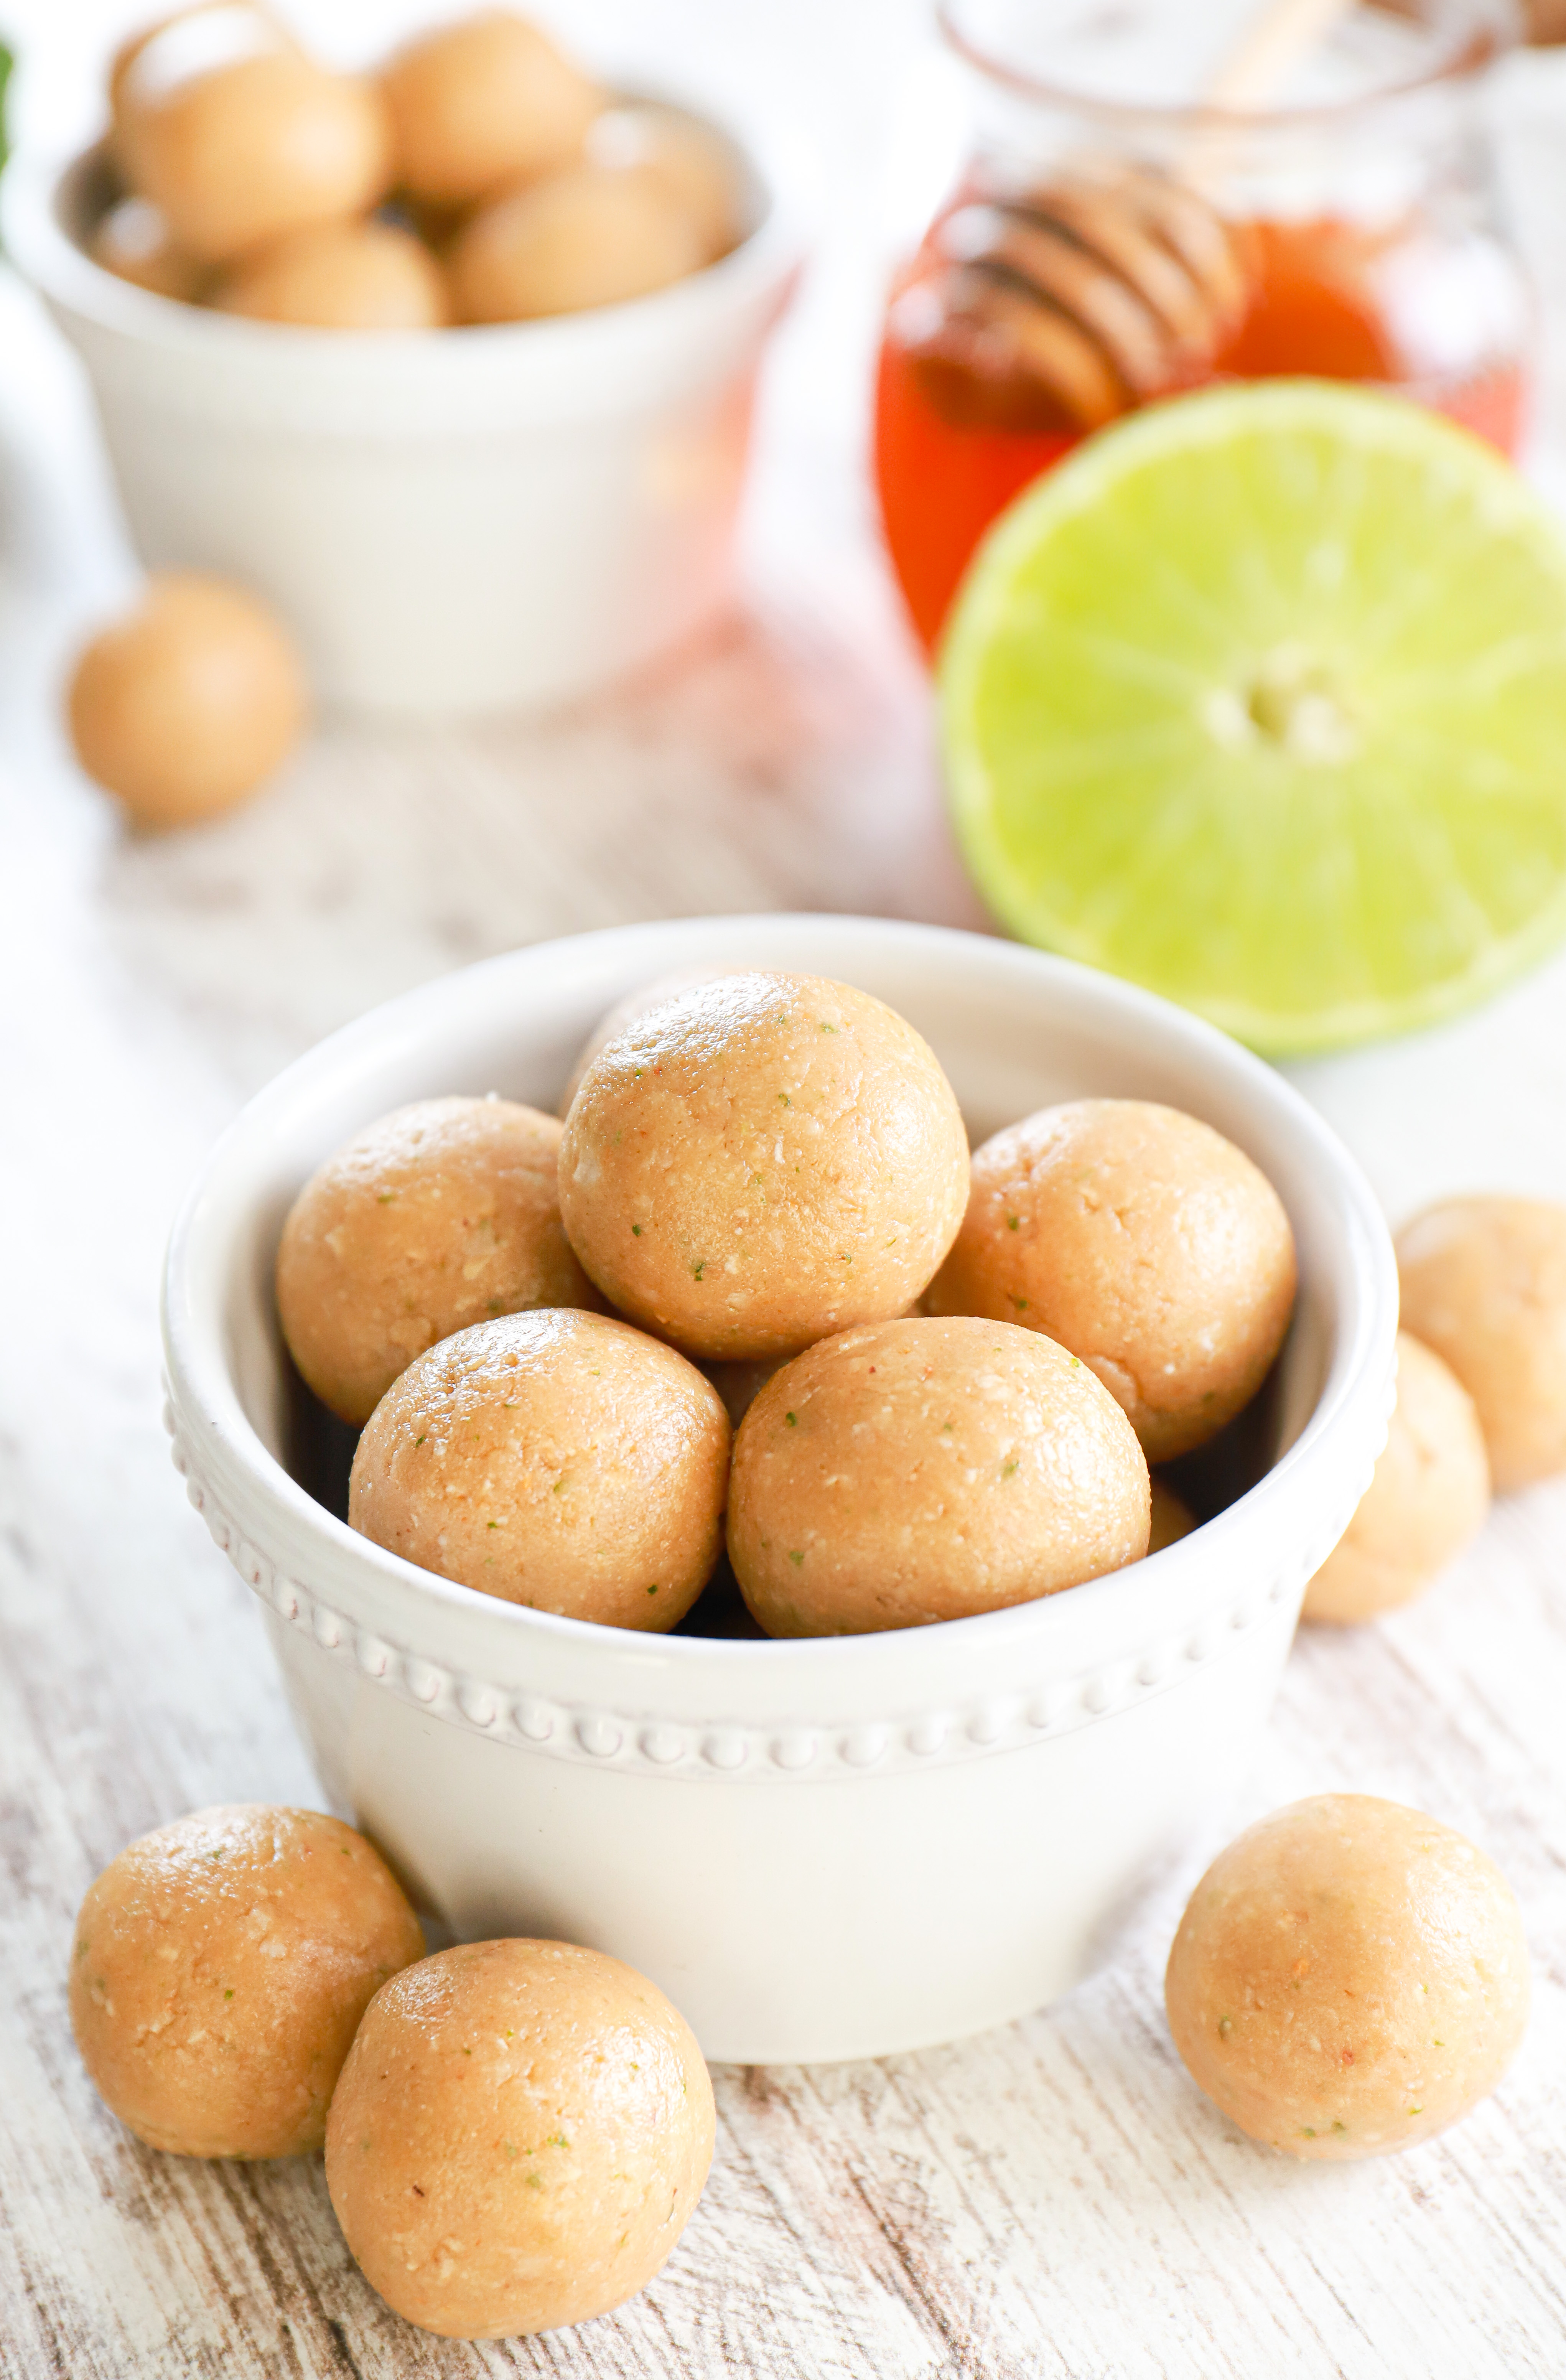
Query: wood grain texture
1053	2202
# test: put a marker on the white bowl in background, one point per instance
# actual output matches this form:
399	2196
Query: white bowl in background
452	522
827	1848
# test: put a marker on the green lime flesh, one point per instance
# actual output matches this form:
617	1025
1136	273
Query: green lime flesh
1260	700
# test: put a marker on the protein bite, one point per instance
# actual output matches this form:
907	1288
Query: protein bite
592	236
1484	1283
132	241
220	1969
1146	1243
1427	1499
925	1470
438	1216
339	276
762	1161
696	163
1348	1978
560	1459
521	2134
629	1010
238	138
481	105
189	703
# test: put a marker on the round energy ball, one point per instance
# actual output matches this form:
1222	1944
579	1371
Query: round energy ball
560	1459
1143	1241
187	703
589	236
483	104
1172	1518
1349	1978
1484	1283
693	160
762	1161
629	1010
438	1216
238	138
1427	1499
132	241
925	1470
220	1969
521	2134
340	276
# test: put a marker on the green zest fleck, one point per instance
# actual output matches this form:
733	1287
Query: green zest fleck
783	1099
792	1420
535	2182
385	1197
557	2141
652	1590
1013	1222
796	1560
421	1439
698	1269
1307	2131
228	1994
829	1029
1417	2111
1021	1304
636	1231
491	1525
1338	2127
1007	1469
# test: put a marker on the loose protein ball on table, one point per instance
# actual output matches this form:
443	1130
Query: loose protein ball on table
589	236
339	276
1146	1243
521	2134
187	703
438	1216
560	1459
762	1161
920	1470
480	106
1349	1978
238	138
220	1969
1427	1499
1484	1283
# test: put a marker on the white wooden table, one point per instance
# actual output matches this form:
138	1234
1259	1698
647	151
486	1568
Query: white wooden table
1051	2200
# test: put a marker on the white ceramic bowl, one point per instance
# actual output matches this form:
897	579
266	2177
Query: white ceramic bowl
830	1849
453	522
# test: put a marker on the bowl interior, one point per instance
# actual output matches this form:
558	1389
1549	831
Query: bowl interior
1014	1030
92	184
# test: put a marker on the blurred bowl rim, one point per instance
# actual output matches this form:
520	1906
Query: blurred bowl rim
39	187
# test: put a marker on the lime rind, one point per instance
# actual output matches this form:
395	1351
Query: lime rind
1304	896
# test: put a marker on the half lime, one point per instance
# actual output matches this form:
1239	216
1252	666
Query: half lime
1260	701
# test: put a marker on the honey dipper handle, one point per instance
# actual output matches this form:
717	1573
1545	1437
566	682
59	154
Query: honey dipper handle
1278	37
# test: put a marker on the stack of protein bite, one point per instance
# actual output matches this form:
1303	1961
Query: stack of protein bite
755	1271
480	176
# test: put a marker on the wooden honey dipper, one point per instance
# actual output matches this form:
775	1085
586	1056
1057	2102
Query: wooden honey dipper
1110	284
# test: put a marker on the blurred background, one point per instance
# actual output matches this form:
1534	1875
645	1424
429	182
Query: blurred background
783	757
